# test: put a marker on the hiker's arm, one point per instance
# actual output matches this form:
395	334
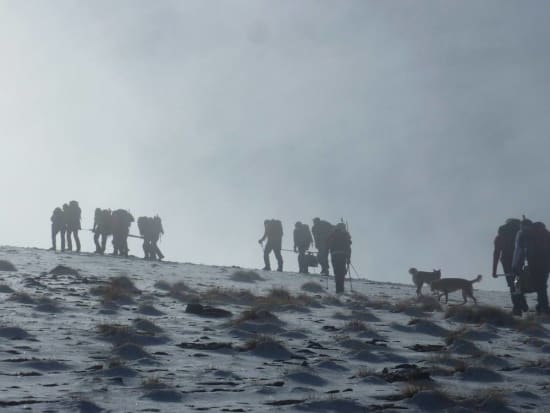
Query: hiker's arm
264	237
496	256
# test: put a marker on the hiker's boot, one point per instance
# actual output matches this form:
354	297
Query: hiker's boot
517	312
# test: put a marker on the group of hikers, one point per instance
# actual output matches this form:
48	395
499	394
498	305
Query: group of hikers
523	249
117	223
327	238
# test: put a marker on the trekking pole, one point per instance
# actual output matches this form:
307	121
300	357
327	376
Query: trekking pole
349	264
282	249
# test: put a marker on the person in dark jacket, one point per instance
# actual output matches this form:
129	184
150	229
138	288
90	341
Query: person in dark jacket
273	232
58	227
73	215
151	229
101	229
95	230
302	242
504	246
321	231
533	246
339	245
121	222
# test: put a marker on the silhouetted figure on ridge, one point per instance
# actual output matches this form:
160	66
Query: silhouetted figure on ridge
533	246
273	232
302	242
504	246
58	227
121	222
101	229
151	229
339	245
321	231
73	214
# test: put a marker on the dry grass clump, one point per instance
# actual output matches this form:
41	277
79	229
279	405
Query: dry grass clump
543	363
331	300
411	390
359	299
355	326
163	285
423	303
267	346
114	330
457	334
279	298
495	316
182	292
257	315
152	383
482	314
312	287
261	340
21	297
365	372
219	295
119	290
447	360
491	399
142	324
247	276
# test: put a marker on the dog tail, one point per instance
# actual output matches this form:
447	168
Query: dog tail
478	279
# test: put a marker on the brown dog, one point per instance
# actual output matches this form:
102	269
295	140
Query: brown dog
421	277
444	286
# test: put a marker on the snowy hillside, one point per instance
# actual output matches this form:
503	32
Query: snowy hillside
114	335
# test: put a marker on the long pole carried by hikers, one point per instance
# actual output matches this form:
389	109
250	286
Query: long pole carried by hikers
349	263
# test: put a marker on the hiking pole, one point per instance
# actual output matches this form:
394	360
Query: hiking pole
354	270
349	263
349	273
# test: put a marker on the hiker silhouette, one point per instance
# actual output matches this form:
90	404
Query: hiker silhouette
273	232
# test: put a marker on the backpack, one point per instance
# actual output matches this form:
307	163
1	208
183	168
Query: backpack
537	245
508	233
275	228
142	225
156	225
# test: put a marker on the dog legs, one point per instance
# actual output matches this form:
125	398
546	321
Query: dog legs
419	289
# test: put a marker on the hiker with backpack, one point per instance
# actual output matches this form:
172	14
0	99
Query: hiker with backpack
321	231
504	246
101	229
151	229
339	245
121	222
73	215
273	232
533	246
58	227
302	242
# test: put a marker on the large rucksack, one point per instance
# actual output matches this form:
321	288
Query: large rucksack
537	245
508	232
143	224
275	228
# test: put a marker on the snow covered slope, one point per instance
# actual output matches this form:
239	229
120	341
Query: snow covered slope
114	335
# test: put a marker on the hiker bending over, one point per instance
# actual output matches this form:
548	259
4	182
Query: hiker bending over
321	231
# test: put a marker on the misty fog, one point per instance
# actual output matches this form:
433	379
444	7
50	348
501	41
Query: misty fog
423	124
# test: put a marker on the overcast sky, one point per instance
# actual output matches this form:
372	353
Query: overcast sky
424	124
